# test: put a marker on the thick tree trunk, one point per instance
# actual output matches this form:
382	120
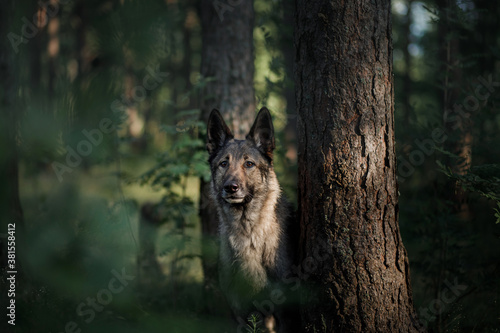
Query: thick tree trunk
353	257
227	57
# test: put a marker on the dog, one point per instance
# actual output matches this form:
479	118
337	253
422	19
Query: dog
257	232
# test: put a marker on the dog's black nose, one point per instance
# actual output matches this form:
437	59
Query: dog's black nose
231	187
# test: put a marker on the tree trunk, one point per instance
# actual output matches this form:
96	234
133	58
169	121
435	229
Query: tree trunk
35	47
407	83
227	57
353	258
459	142
83	55
287	48
458	128
53	53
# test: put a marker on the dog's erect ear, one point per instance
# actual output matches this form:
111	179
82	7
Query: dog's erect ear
217	132
262	132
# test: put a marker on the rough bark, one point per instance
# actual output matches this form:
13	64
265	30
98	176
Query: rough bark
227	58
353	259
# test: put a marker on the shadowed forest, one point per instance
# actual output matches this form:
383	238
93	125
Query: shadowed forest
104	108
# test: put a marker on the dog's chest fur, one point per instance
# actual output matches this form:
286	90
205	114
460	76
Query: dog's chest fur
251	237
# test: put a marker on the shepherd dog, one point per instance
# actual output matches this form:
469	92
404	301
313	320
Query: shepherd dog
257	232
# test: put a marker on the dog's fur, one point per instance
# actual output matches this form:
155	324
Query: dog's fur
255	220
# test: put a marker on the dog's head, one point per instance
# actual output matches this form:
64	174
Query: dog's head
240	167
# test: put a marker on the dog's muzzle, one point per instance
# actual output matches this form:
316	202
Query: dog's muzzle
231	194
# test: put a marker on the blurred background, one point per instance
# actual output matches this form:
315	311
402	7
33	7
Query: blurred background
111	151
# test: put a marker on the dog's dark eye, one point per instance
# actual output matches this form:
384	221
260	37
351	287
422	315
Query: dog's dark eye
223	164
249	164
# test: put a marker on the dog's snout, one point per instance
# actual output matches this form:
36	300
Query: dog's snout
231	187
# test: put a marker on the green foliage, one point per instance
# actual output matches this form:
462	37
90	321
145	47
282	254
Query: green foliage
185	160
482	179
444	244
80	229
254	324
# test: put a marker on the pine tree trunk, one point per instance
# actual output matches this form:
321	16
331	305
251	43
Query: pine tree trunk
83	56
53	53
458	128
287	48
353	259
407	83
227	57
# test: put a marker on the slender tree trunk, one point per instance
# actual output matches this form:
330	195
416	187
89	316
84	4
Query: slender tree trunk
227	58
187	32
353	258
458	128
53	52
407	83
458	131
35	47
288	50
84	57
